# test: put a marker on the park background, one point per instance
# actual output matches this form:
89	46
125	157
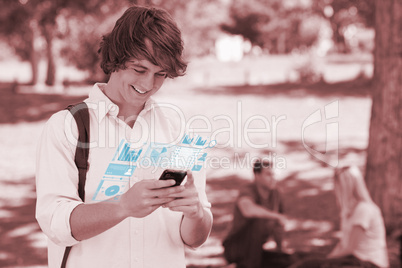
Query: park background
247	60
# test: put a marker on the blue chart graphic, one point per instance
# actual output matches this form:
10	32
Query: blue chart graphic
187	140
115	182
203	157
120	170
174	156
157	154
128	155
110	187
183	157
112	190
196	168
200	141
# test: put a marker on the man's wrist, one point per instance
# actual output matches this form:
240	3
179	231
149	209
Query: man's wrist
199	215
123	211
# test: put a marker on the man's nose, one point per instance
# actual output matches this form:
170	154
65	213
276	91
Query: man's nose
148	82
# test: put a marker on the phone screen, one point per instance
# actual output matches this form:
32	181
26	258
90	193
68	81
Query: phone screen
177	175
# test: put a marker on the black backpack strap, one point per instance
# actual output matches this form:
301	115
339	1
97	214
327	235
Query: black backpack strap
81	116
65	257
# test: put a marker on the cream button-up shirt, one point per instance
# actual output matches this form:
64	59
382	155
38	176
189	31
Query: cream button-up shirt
372	247
152	241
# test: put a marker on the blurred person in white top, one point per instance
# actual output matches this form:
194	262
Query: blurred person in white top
150	223
363	238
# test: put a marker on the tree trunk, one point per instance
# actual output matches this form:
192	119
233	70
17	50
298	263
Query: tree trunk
33	60
34	53
384	153
48	32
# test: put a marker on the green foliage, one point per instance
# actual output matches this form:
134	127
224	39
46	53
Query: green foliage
279	26
199	23
14	27
359	11
77	26
271	24
345	13
84	30
248	18
25	22
83	34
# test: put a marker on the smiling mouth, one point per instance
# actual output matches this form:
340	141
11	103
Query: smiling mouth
139	91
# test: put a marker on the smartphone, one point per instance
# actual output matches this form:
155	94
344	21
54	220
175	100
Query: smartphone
177	175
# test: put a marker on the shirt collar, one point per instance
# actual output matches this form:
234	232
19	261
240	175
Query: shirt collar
106	106
149	104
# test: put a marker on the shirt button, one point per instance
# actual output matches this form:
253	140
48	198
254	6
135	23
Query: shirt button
136	232
136	259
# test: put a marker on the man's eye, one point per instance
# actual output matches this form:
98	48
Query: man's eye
161	74
138	71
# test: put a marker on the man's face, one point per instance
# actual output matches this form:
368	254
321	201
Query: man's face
265	179
139	81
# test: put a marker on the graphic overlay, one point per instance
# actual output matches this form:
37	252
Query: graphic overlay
187	155
168	156
116	180
111	188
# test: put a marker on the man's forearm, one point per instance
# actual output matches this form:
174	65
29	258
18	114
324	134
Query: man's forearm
195	231
261	212
249	209
89	220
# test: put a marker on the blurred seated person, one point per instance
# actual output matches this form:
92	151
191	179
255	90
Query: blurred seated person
362	243
257	217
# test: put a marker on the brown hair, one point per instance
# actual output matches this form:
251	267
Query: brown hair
144	33
259	164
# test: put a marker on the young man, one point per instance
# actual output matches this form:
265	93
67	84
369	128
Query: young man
257	217
149	223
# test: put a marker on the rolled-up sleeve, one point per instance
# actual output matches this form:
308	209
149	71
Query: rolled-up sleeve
200	184
56	180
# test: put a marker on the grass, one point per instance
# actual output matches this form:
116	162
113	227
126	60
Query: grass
305	181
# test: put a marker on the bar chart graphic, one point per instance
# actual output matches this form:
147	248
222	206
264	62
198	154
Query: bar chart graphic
200	141
129	155
187	140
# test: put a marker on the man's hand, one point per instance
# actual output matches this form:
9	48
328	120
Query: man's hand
146	196
187	201
197	220
283	219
